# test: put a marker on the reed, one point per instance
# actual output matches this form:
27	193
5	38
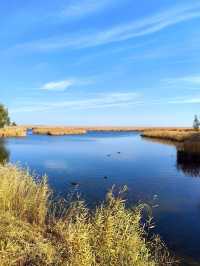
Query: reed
12	132
42	129
58	131
33	231
176	135
135	129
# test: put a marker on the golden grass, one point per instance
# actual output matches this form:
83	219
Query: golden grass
136	129
175	135
43	129
113	129
58	131
12	132
31	234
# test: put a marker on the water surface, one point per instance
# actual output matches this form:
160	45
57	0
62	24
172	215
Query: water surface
96	161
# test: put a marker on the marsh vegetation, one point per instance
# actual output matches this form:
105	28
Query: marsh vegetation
172	135
36	231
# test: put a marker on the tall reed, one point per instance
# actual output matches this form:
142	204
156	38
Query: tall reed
32	232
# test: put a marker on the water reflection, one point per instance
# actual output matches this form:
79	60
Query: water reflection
187	155
188	158
4	153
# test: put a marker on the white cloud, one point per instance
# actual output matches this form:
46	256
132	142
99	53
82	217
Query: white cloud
65	84
57	86
122	32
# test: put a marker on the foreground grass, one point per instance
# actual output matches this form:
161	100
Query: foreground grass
34	231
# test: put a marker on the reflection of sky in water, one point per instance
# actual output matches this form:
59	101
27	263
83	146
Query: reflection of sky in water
56	165
146	167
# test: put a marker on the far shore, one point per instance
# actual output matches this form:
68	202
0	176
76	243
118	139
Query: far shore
179	134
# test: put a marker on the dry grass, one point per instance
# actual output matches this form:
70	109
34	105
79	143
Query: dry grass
136	129
44	129
58	131
30	234
114	129
13	132
175	135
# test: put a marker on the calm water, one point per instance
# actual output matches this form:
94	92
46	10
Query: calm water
149	169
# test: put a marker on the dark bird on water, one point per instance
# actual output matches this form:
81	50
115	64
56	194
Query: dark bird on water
74	183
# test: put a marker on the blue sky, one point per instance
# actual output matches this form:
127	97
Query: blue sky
108	62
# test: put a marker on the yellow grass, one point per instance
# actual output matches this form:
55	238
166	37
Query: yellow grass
31	234
64	130
132	129
170	135
13	132
58	131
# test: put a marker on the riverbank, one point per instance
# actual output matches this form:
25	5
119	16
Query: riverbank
171	135
67	130
165	133
35	231
12	132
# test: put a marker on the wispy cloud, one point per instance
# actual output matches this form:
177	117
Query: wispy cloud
108	100
57	86
145	26
65	84
186	83
190	80
185	100
104	101
81	8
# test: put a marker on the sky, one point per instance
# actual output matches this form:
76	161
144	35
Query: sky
108	62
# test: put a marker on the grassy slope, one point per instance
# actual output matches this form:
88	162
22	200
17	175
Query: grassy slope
31	235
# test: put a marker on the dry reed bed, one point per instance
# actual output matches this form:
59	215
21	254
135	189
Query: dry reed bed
113	129
13	132
34	231
139	129
59	131
175	135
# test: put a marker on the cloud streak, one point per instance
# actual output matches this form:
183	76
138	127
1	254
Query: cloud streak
186	100
108	100
57	86
84	8
189	80
133	29
62	85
